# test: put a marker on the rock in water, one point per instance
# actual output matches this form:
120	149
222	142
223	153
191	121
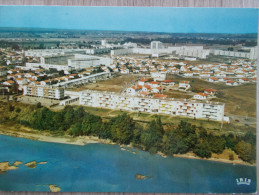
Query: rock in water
31	164
4	166
143	177
16	163
42	163
54	188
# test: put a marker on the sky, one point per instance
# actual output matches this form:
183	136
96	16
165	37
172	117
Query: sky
149	19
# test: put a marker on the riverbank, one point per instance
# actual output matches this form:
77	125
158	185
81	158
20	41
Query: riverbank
25	132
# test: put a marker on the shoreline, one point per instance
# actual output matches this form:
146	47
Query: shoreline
27	133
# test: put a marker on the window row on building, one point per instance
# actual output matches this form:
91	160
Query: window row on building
44	91
192	108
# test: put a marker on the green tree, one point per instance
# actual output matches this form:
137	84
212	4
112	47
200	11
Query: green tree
41	46
244	151
202	149
137	134
11	108
250	138
91	124
68	117
58	121
38	105
105	131
122	128
151	138
79	114
178	66
217	144
202	133
75	129
14	87
174	143
43	119
231	141
15	46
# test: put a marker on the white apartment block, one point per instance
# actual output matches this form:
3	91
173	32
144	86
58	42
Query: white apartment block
86	61
97	51
130	45
44	91
252	54
121	52
77	61
156	45
52	52
158	76
191	108
43	52
192	51
35	66
156	48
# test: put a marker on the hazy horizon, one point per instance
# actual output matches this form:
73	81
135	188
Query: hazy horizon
36	29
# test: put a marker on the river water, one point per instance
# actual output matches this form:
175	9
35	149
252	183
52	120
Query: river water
107	168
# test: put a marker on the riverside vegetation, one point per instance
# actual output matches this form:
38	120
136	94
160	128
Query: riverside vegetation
122	129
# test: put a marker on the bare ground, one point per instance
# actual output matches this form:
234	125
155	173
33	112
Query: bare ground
116	84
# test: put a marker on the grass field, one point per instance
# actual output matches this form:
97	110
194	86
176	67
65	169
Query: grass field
198	83
177	94
239	100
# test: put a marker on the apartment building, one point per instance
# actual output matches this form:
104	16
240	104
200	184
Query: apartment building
160	105
44	91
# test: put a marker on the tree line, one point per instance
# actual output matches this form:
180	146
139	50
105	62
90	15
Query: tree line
122	129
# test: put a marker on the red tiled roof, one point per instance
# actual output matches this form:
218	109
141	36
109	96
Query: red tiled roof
210	90
144	93
160	95
154	82
143	80
10	81
202	94
136	87
214	78
147	86
168	81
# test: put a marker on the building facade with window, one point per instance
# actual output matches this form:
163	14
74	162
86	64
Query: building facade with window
191	108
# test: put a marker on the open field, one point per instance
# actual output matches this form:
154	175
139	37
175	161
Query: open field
115	84
178	94
239	100
198	83
186	61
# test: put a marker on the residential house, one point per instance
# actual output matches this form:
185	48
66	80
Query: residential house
200	96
